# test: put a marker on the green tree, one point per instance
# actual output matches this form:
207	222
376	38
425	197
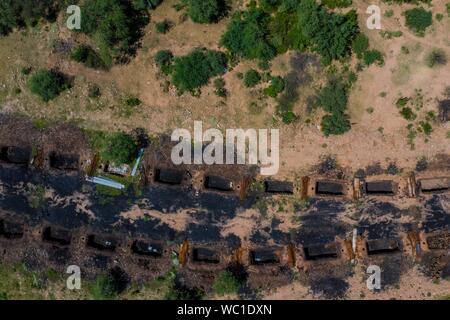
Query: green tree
360	44
335	124
372	56
251	78
206	11
247	35
194	70
116	27
276	86
47	84
163	60
88	56
331	34
418	20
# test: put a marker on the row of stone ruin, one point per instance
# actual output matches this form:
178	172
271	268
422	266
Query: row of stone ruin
310	186
358	246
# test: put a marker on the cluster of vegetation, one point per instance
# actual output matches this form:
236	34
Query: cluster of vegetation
48	84
247	35
206	11
275	87
88	56
360	46
163	60
21	13
219	86
333	99
418	20
117	148
437	57
332	4
225	283
163	26
192	71
251	78
146	4
115	26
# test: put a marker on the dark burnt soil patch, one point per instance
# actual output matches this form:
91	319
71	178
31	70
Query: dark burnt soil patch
435	264
330	287
321	223
437	216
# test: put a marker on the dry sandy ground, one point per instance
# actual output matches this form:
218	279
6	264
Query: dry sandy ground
301	144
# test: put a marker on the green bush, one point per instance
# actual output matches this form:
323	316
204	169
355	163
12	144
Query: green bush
20	13
86	55
163	60
117	148
146	4
436	57
247	35
418	20
332	4
448	8
103	288
251	78
331	34
276	87
219	85
360	44
47	84
194	70
372	56
333	98
163	26
335	124
116	27
206	11
225	283
408	113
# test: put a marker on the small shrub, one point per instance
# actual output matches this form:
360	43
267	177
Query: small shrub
422	164
439	16
360	44
194	70
163	26
88	56
206	11
392	169
47	84
426	127
251	78
219	85
276	87
133	102
225	283
335	124
117	148
332	4
373	56
94	91
163	60
408	113
418	20
389	13
436	57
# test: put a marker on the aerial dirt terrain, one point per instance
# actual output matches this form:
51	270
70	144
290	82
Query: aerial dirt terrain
376	194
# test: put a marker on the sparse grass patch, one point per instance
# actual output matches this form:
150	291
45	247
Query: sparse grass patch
225	283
